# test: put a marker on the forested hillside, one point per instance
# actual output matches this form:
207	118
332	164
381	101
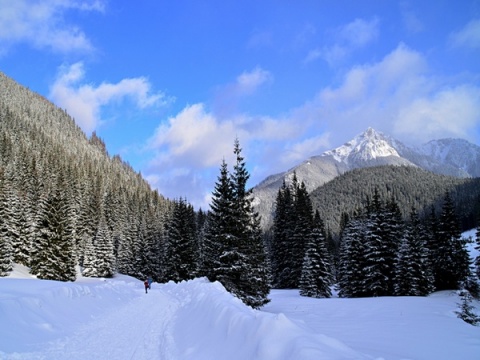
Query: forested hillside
64	200
409	186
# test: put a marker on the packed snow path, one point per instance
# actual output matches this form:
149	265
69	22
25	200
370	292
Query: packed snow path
139	329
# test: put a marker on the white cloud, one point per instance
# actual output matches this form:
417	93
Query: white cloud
194	138
42	24
85	101
348	38
452	112
248	82
359	32
397	95
411	22
228	97
468	37
195	141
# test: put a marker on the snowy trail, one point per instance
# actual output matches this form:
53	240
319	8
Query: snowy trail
138	330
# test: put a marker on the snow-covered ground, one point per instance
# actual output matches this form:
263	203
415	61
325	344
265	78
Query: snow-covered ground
199	320
115	319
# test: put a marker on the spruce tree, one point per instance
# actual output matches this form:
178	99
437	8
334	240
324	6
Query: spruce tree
53	257
376	281
255	279
234	251
292	226
218	234
450	257
282	230
317	276
6	249
180	248
477	247
105	260
303	218
351	271
413	274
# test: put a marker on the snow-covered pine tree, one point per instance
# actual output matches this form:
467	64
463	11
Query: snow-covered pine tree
413	276
180	247
200	223
254	285
351	270
317	276
292	225
105	260
450	257
392	234
218	244
53	257
281	250
13	211
126	253
376	281
6	249
477	247
303	217
234	253
467	310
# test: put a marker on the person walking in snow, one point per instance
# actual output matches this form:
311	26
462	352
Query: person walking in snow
150	280
146	286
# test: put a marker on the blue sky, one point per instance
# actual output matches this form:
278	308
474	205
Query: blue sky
169	85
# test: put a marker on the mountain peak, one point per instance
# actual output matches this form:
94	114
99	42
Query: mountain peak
369	145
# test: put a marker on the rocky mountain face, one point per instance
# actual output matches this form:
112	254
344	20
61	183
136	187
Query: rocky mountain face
452	157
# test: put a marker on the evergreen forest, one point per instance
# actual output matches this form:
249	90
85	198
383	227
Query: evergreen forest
66	204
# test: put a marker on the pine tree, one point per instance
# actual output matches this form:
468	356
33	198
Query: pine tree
6	249
351	271
54	254
180	248
413	271
317	276
467	310
376	281
292	226
282	230
450	256
477	247
105	260
254	285
234	250
218	234
303	217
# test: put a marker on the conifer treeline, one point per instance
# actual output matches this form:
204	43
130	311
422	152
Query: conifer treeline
411	187
380	253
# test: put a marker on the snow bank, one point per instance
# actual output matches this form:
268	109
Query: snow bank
212	324
33	312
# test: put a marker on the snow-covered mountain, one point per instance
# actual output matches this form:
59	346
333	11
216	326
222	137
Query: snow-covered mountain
452	157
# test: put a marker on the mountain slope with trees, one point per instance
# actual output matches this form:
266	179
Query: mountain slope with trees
66	201
410	186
